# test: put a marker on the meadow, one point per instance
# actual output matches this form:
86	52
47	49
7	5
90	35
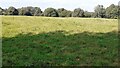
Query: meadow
51	41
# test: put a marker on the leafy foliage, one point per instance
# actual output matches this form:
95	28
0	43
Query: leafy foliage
88	14
50	12
30	11
100	11
78	13
64	13
37	11
1	11
12	11
112	11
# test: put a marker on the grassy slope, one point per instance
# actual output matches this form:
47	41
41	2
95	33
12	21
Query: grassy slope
59	41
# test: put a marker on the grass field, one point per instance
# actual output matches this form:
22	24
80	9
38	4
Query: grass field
32	41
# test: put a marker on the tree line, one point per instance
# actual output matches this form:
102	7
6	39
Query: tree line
100	11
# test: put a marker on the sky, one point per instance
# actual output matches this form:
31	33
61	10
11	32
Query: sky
87	5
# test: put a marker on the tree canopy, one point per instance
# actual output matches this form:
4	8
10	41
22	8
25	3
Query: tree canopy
78	12
100	11
12	11
50	12
64	13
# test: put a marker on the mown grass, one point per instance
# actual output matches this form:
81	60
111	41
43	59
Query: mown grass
33	41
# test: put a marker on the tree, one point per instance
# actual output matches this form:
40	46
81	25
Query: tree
28	11
37	11
50	12
112	11
61	12
12	11
1	11
87	14
4	12
119	10
99	11
21	11
78	13
108	10
69	13
64	13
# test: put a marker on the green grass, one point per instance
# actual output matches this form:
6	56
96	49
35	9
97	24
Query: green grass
29	41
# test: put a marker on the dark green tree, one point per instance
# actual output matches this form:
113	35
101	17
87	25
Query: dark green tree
99	11
112	11
12	11
119	10
87	14
50	12
37	11
108	10
69	13
28	11
64	13
78	13
1	11
4	12
21	11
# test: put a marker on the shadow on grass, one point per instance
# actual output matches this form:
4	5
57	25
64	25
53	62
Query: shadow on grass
56	48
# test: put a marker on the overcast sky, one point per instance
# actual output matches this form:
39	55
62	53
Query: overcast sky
67	4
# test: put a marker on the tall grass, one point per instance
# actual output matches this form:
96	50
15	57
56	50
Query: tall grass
29	41
22	24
